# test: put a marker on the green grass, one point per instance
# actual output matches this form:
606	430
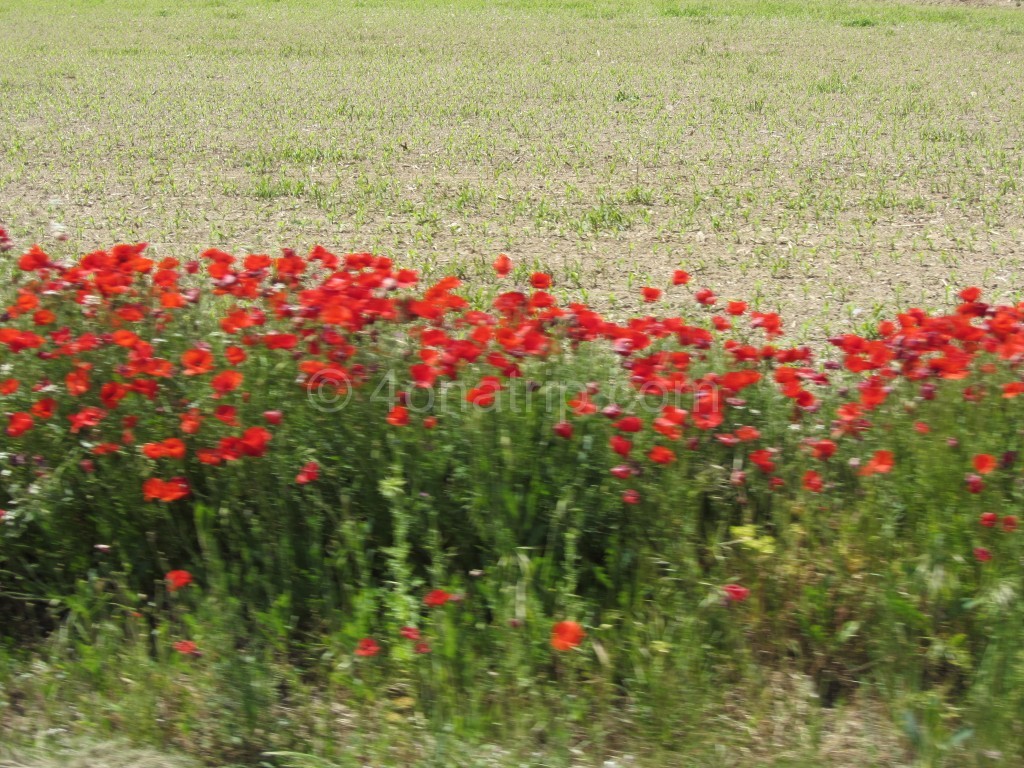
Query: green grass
829	152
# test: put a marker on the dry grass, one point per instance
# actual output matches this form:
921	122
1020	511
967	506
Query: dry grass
79	754
834	160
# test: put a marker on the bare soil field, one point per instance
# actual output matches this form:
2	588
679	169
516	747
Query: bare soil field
831	160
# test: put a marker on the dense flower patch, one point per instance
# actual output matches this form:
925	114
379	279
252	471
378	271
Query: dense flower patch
310	428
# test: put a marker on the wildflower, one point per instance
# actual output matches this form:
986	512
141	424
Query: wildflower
410	633
421	647
502	265
650	294
620	445
982	555
563	429
879	464
735	593
367	647
680	277
436	598
1010	523
177	580
186	648
989	519
308	474
398	416
812	481
659	454
18	424
974	483
566	635
630	496
155	489
540	280
273	417
984	463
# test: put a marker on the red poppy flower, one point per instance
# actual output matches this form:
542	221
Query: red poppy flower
762	459
679	277
398	416
85	418
921	428
227	414
971	294
186	648
9	386
974	483
630	496
177	580
540	280
197	362
410	633
984	463
254	441
172	448
650	294
1010	523
659	454
736	308
235	355
502	265
45	408
629	424
18	424
746	434
226	381
823	449
421	647
881	463
563	429
705	296
813	481
436	598
566	635
989	519
982	555
308	474
367	647
155	489
620	445
273	417
735	593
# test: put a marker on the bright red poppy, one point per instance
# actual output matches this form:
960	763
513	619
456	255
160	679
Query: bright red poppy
18	424
367	647
563	429
540	280
177	580
735	593
881	463
984	463
308	474
502	265
813	482
659	454
566	635
186	648
436	598
650	294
